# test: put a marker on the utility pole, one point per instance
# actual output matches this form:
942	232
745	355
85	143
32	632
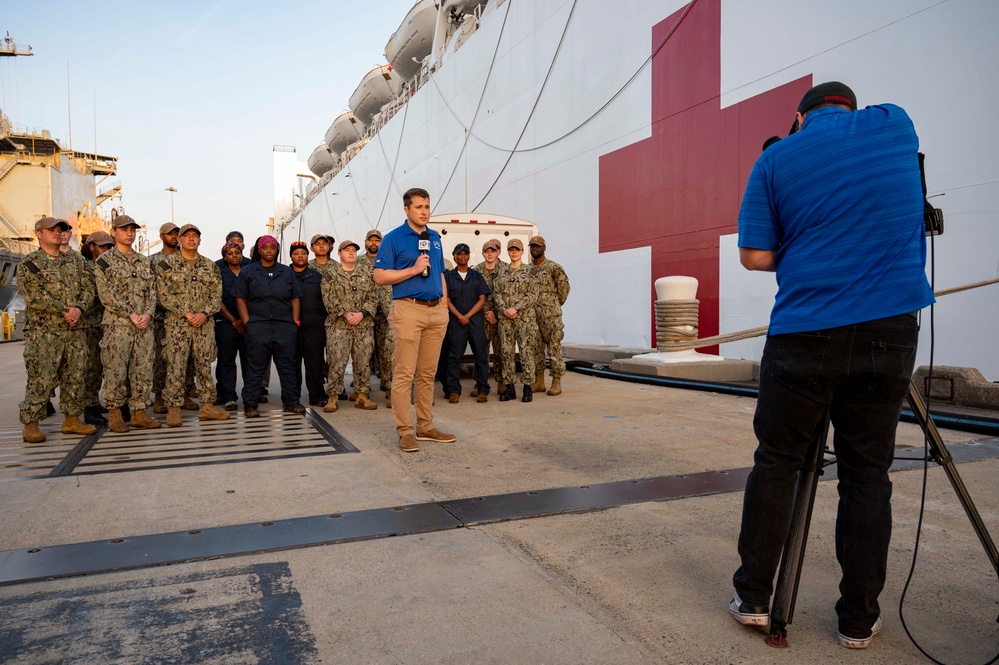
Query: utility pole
172	190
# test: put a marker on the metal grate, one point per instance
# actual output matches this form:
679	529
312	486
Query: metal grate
275	435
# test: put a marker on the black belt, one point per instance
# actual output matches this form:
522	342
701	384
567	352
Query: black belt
426	303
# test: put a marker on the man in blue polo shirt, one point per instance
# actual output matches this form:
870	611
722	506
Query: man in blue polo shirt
836	210
419	316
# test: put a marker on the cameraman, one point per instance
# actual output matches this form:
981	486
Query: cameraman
836	209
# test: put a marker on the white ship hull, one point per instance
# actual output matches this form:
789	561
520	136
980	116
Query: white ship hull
629	182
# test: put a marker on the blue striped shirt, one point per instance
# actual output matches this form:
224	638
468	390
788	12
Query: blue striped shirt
841	202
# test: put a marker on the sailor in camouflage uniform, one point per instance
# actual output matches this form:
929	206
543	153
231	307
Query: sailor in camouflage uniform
491	252
515	296
169	236
97	243
382	354
126	286
553	290
57	290
350	298
190	290
321	246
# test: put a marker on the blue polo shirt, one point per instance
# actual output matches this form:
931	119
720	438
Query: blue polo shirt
841	202
399	250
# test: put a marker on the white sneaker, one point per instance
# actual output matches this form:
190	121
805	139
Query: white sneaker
859	642
749	615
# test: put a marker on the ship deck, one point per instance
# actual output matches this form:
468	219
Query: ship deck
599	526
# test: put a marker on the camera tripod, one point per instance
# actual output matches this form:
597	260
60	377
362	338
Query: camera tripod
789	573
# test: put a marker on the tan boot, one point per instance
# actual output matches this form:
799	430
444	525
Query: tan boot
362	402
209	412
32	434
140	419
353	396
159	406
115	423
500	387
388	398
556	388
539	383
72	425
174	419
332	405
190	404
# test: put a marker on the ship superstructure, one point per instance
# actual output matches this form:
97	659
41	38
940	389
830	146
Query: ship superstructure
626	131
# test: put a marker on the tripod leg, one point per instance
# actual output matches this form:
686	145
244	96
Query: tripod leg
789	573
940	455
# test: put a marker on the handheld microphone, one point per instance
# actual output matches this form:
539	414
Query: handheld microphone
424	248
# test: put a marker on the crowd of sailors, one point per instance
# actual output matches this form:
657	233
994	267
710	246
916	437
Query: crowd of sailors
117	331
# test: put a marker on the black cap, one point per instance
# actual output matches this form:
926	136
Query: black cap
832	92
232	234
460	247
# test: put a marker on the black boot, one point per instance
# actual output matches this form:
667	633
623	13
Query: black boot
528	394
508	394
92	416
49	409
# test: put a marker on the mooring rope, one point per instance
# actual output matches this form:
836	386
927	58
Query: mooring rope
676	323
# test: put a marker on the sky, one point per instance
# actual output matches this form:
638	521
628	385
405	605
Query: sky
192	95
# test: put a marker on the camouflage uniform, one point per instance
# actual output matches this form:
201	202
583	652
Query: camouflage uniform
93	332
553	290
182	288
492	329
349	292
322	270
160	335
383	336
126	285
54	353
517	288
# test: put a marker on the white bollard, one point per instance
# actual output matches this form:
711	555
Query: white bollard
677	287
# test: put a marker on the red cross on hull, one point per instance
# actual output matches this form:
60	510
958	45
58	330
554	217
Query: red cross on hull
680	189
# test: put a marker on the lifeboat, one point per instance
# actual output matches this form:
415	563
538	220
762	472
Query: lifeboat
345	130
321	161
413	40
377	87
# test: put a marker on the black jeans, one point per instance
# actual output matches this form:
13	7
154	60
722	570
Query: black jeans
311	349
266	340
860	375
458	336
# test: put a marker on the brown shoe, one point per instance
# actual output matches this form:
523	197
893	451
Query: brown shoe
250	412
190	405
388	398
209	412
408	444
500	387
353	396
32	434
140	419
363	402
539	383
556	388
482	397
115	421
453	399
331	405
474	393
434	434
159	406
72	425
174	419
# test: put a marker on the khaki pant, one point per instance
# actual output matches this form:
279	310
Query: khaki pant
417	332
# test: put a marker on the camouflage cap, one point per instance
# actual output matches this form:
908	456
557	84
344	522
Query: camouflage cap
492	243
537	240
51	223
167	228
515	242
347	243
100	238
373	233
322	236
121	221
189	227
